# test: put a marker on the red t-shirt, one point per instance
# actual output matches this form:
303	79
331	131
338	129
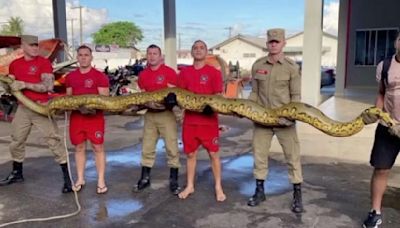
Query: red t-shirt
206	80
87	83
152	80
30	71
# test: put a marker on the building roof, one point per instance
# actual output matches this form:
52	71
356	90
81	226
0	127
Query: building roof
260	41
323	34
255	41
291	49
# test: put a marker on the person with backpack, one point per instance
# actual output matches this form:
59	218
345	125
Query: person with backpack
387	139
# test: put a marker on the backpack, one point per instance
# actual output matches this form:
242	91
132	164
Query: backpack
384	73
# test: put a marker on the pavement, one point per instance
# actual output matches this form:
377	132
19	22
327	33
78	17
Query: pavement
335	189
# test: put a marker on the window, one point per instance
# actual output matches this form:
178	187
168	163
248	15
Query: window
249	55
374	45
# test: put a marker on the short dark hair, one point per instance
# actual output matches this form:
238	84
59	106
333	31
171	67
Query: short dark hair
83	46
154	46
200	41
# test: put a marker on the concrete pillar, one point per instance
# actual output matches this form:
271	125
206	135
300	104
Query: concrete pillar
60	23
342	48
170	33
312	46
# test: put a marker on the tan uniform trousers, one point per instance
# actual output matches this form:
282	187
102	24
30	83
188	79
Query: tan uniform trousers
158	124
21	127
287	137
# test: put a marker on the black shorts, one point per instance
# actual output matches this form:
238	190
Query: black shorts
385	150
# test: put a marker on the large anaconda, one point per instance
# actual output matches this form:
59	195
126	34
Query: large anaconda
195	102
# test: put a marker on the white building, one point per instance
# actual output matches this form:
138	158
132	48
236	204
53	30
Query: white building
246	49
366	37
294	48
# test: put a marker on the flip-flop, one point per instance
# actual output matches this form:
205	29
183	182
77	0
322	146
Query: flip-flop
78	187
102	190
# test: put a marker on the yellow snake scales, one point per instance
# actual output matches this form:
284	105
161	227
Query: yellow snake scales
195	102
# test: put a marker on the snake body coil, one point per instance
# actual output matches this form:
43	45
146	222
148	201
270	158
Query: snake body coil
195	102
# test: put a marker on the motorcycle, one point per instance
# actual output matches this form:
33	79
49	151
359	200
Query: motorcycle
8	106
122	81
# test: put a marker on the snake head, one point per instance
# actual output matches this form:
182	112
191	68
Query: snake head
372	115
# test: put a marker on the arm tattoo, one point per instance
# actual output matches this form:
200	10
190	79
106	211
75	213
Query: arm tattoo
45	85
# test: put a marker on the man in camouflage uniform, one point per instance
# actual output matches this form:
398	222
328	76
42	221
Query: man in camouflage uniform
276	82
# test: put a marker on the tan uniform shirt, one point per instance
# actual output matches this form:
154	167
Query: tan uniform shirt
274	85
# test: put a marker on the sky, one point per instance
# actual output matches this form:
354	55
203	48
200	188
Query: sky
210	20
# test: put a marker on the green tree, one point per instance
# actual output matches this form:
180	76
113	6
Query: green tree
14	27
123	33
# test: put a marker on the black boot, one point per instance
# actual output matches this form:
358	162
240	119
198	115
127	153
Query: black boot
15	175
67	180
259	195
144	180
297	204
173	181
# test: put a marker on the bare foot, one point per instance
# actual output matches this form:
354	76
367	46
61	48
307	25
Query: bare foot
186	192
220	195
78	186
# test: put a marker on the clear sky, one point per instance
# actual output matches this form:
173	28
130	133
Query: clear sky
210	20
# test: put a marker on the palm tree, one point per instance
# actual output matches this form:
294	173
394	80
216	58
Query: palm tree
14	27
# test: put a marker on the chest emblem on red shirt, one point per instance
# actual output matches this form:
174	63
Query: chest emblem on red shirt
261	71
33	69
88	83
160	79
203	79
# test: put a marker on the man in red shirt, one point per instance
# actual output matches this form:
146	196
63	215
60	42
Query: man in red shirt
158	121
86	126
201	128
33	75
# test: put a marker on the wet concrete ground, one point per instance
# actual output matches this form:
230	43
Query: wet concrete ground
334	194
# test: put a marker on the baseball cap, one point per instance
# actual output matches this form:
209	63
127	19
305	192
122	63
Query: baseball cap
277	34
29	39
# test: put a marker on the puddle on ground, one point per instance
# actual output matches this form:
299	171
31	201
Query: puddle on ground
131	155
241	169
134	125
115	208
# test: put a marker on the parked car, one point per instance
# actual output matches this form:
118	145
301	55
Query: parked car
327	75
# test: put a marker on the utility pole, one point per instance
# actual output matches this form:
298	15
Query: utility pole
179	41
230	28
72	31
80	22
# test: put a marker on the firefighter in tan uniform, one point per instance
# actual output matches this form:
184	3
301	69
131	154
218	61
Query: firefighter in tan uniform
158	121
33	75
276	82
